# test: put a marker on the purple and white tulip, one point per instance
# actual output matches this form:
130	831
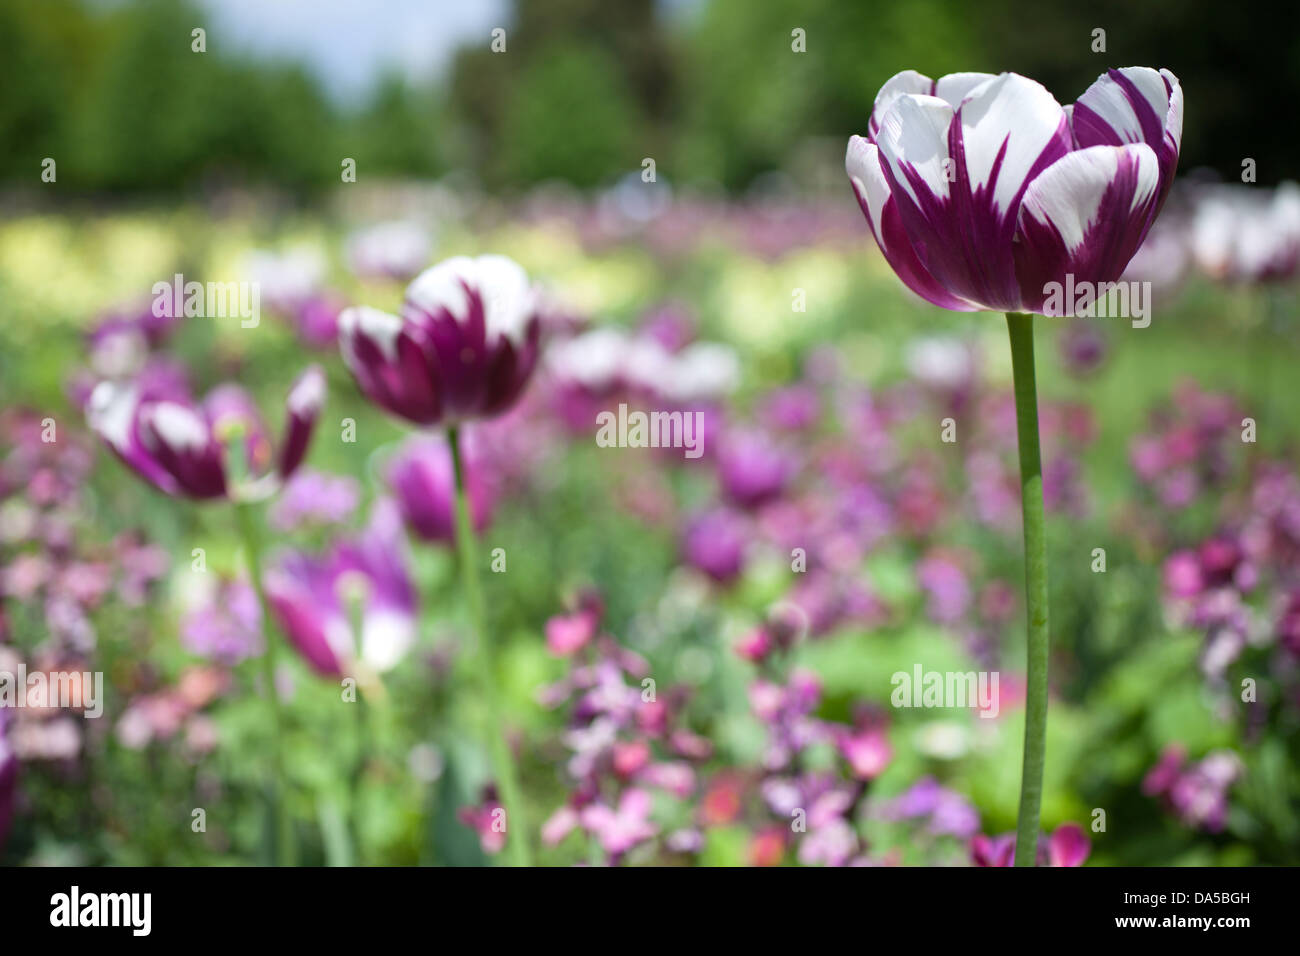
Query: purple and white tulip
981	190
187	449
320	602
462	348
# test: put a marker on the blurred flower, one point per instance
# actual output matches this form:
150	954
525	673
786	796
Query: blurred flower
317	320
1068	846
1196	793
1034	192
714	543
946	586
463	348
315	498
389	250
321	601
945	811
1243	233
288	279
225	624
794	408
488	819
193	450
421	478
620	829
566	634
1082	346
867	751
752	469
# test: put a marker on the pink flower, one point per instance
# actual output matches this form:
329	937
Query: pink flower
867	751
620	830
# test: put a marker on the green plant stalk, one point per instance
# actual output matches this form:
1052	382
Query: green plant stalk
1021	330
248	530
504	764
357	619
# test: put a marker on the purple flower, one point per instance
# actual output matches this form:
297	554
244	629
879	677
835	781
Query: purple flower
981	190
947	812
8	778
321	601
715	543
1068	846
422	479
1197	794
793	408
315	498
621	829
463	347
186	449
226	626
947	588
752	469
317	320
867	751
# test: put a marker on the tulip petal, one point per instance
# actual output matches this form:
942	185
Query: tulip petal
1011	129
862	162
1069	846
502	286
297	616
113	413
1086	215
908	82
955	87
389	364
1135	104
303	405
180	440
958	179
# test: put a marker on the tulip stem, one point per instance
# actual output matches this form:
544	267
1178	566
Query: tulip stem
283	847
466	548
1021	329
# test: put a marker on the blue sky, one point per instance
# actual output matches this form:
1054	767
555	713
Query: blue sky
349	43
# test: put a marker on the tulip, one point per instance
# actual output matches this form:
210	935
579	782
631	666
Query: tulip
983	193
463	347
217	449
981	190
356	604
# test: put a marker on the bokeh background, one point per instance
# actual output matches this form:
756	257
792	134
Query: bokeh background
225	166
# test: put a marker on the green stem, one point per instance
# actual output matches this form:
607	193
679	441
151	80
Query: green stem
1021	330
248	530
516	827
